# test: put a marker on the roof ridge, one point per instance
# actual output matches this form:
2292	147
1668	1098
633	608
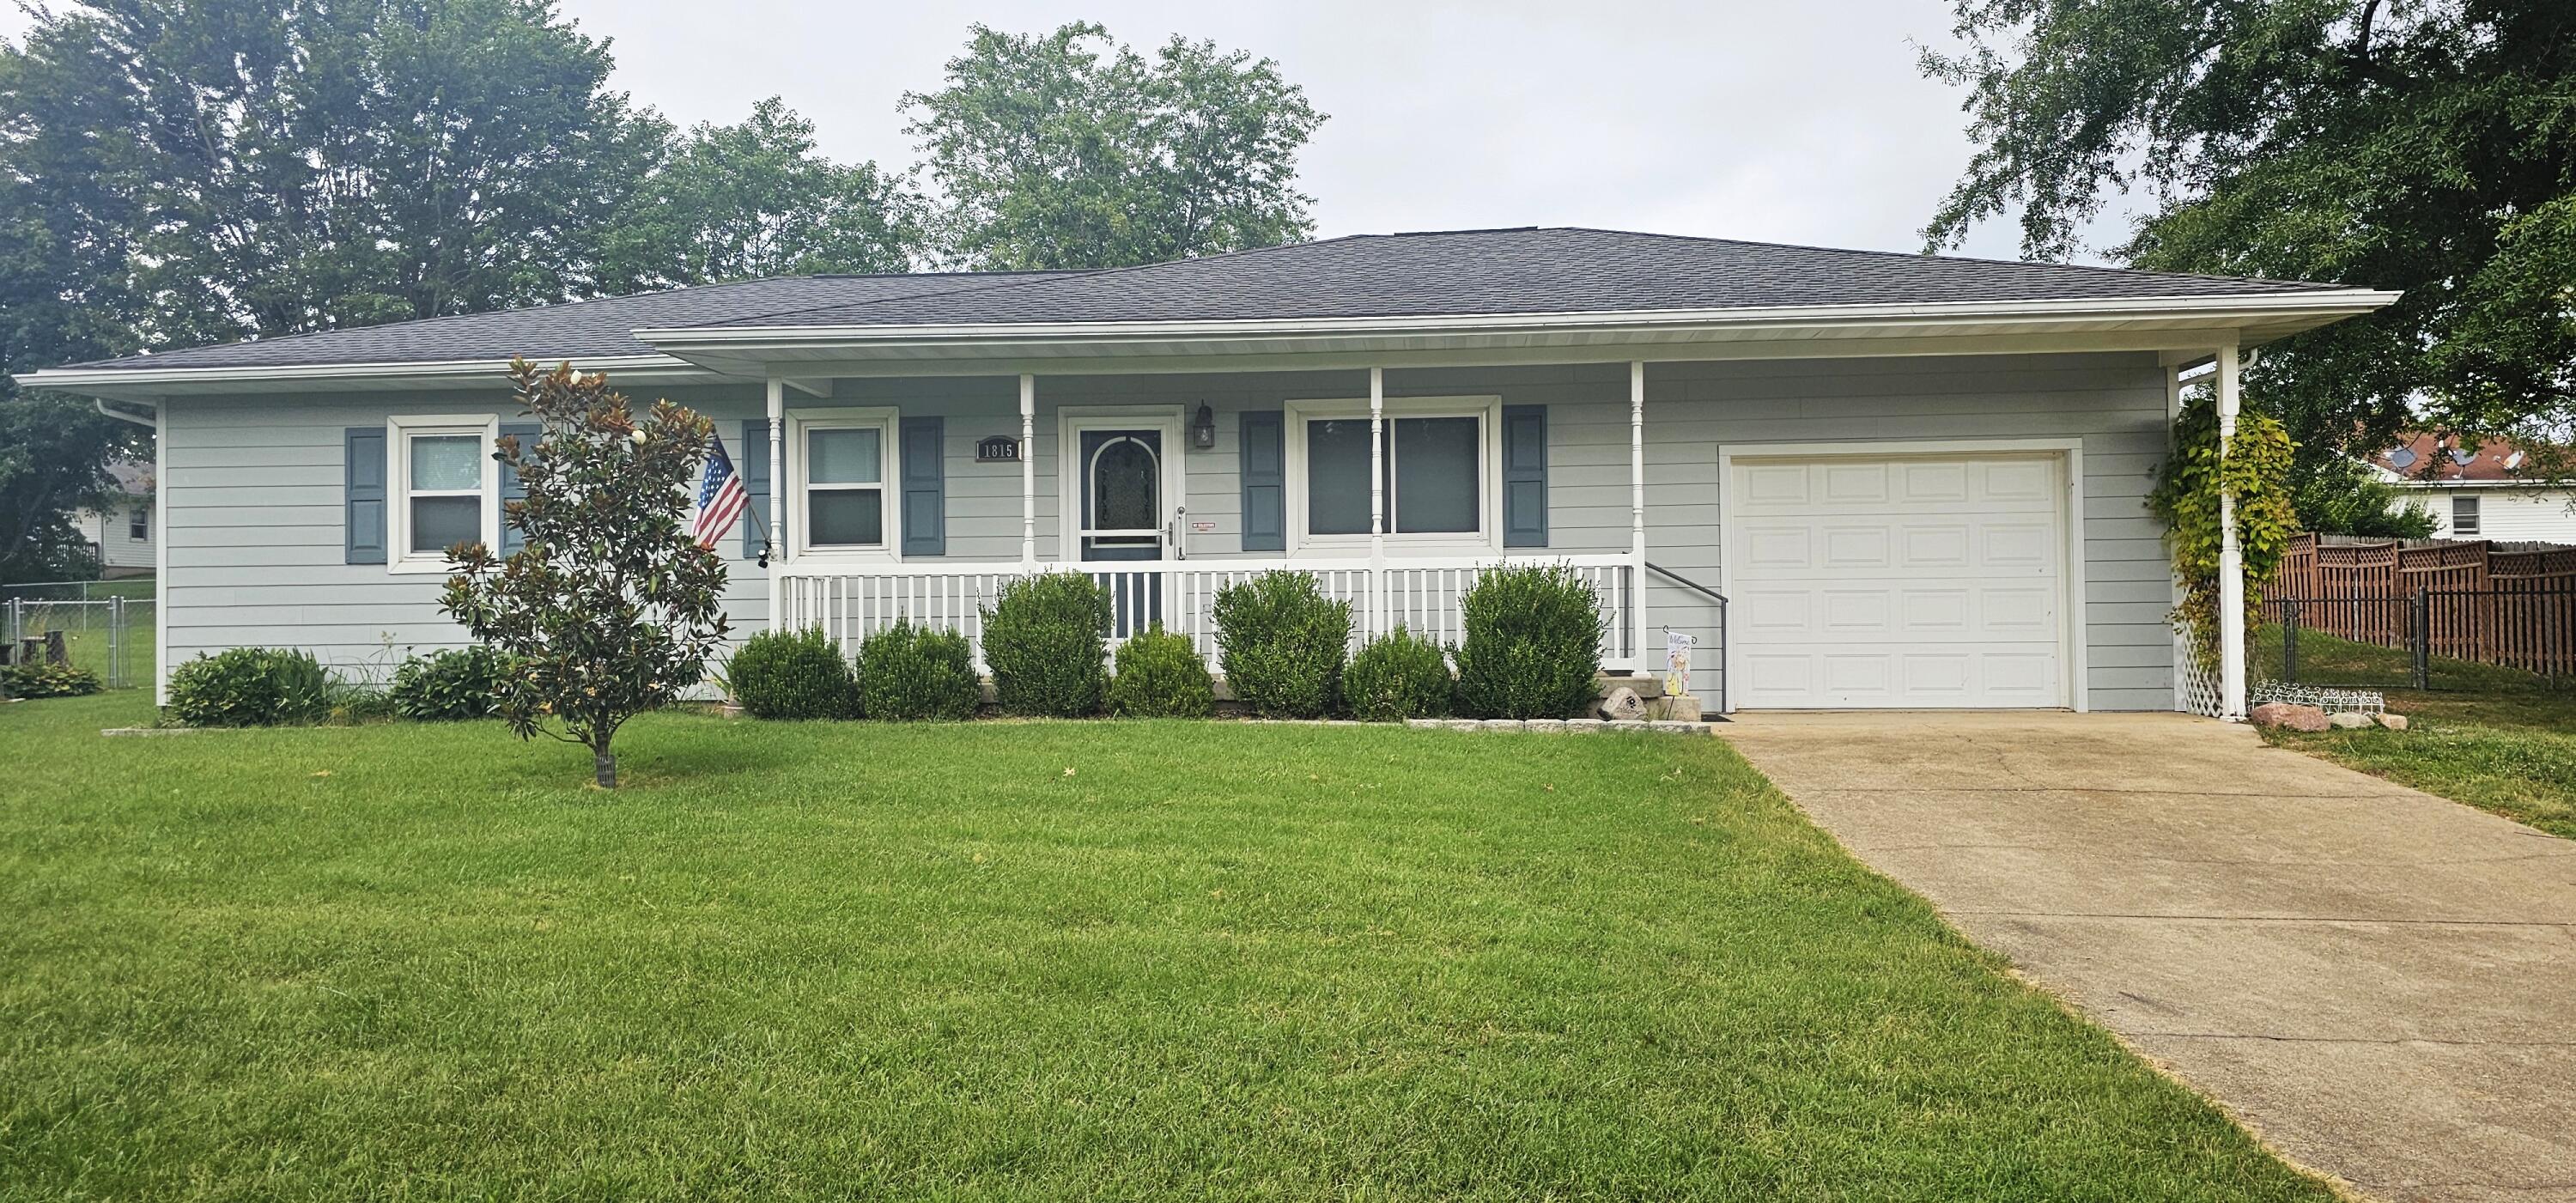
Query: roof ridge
1852	250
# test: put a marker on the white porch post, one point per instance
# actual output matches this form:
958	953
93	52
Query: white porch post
2231	558
1028	471
1637	511
1371	624
777	401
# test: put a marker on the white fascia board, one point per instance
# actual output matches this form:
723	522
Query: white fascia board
1818	320
152	381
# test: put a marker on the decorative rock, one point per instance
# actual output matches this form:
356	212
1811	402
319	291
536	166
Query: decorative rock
1679	728
1625	724
1464	724
2350	720
1622	704
1426	724
1583	726
2394	722
1680	708
1502	724
2285	714
1548	726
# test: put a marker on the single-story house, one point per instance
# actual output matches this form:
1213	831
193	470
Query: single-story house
1857	479
2478	492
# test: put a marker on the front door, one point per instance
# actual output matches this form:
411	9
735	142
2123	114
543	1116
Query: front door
1125	516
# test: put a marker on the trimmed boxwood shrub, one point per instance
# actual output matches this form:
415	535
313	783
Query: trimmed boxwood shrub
44	680
1397	676
1046	640
251	687
1281	643
1160	675
457	683
909	672
793	674
1533	644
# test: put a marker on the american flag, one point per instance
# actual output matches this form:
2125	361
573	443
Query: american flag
721	498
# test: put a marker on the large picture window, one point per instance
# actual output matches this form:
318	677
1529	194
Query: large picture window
445	488
1436	474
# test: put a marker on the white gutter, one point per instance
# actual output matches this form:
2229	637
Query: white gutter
152	423
430	371
2240	306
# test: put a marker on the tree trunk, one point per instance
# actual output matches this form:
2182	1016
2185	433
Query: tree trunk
605	762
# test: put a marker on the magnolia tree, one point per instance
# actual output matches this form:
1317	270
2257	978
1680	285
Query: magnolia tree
612	608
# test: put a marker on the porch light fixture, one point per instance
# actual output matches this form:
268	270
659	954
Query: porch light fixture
1203	429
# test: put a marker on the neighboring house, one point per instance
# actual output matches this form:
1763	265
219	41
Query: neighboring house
1920	480
121	532
2479	492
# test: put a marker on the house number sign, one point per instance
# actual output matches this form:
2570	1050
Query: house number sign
999	448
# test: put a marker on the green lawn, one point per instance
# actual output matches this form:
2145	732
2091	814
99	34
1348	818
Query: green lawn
1011	961
2497	739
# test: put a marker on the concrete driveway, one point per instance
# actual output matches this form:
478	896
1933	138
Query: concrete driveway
2380	982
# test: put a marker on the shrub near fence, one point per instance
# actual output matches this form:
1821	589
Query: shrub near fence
2515	608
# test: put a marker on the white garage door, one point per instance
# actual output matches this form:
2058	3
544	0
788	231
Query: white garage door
1913	581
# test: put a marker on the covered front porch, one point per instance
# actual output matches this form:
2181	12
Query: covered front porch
889	500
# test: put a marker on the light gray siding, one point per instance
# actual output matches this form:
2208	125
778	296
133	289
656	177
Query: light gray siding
256	518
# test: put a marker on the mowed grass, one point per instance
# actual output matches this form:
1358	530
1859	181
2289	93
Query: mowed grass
1008	961
2499	739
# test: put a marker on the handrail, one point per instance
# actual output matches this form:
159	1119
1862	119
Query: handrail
1686	582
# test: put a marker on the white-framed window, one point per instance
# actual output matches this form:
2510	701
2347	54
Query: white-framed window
2464	514
138	524
444	487
840	465
1442	461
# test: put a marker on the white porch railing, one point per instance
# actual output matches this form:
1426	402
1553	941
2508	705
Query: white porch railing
851	602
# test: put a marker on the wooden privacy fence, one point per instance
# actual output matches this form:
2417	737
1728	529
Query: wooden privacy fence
2513	605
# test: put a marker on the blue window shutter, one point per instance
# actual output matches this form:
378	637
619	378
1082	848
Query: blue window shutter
925	488
512	539
1265	481
1524	476
751	459
363	500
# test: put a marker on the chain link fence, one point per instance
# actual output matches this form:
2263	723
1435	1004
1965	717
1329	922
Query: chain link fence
109	635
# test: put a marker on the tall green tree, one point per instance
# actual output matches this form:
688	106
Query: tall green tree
738	202
1070	150
266	167
2423	145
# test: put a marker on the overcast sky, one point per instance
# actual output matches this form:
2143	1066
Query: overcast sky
1784	122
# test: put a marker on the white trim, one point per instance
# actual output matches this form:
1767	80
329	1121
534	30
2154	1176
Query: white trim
2232	677
1071	421
2072	636
2261	303
885	420
400	430
648	368
1488	412
161	554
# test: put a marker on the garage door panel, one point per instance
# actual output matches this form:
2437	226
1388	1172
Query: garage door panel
1898	581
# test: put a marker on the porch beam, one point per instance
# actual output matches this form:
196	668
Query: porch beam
1028	471
1637	509
2231	557
818	387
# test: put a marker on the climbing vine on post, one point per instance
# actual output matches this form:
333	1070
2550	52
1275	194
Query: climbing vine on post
2186	497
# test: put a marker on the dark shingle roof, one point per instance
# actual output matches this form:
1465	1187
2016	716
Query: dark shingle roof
576	329
1534	271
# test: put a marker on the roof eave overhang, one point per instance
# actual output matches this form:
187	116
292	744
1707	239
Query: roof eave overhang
146	382
1784	332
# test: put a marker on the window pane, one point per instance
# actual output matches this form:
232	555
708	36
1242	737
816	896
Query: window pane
1337	476
846	517
438	523
844	457
1435	476
1123	485
447	461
